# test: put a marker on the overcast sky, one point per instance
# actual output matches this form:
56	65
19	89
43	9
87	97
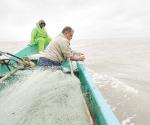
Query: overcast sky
89	18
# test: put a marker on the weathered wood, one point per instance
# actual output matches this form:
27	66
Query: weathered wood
88	114
71	67
10	73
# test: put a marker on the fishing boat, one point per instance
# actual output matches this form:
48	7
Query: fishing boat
99	111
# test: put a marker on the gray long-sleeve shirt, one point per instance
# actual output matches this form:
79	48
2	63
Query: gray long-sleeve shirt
57	49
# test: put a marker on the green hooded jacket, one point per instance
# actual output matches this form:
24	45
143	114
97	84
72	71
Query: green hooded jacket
38	32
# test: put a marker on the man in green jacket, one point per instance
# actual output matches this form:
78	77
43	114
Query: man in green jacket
39	36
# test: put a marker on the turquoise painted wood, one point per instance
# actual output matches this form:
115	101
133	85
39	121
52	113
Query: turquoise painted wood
102	114
100	111
27	51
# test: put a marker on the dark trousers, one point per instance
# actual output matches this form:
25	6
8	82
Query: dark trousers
47	62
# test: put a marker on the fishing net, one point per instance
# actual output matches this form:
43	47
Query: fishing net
44	98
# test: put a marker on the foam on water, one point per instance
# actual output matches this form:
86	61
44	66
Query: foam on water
126	101
127	121
104	80
43	98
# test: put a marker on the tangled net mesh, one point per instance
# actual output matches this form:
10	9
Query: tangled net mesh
44	98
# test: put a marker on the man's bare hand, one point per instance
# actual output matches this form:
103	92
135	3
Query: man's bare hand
81	57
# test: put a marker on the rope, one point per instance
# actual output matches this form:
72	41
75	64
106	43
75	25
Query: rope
14	65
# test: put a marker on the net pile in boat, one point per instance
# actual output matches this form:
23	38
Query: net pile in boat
44	98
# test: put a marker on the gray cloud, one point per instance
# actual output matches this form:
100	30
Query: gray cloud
89	18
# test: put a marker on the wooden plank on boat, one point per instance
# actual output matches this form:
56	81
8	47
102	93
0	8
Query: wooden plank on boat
66	67
10	73
88	114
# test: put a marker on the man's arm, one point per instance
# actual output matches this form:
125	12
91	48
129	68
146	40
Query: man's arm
75	56
79	53
68	53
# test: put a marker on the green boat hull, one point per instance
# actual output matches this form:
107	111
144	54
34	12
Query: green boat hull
99	109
